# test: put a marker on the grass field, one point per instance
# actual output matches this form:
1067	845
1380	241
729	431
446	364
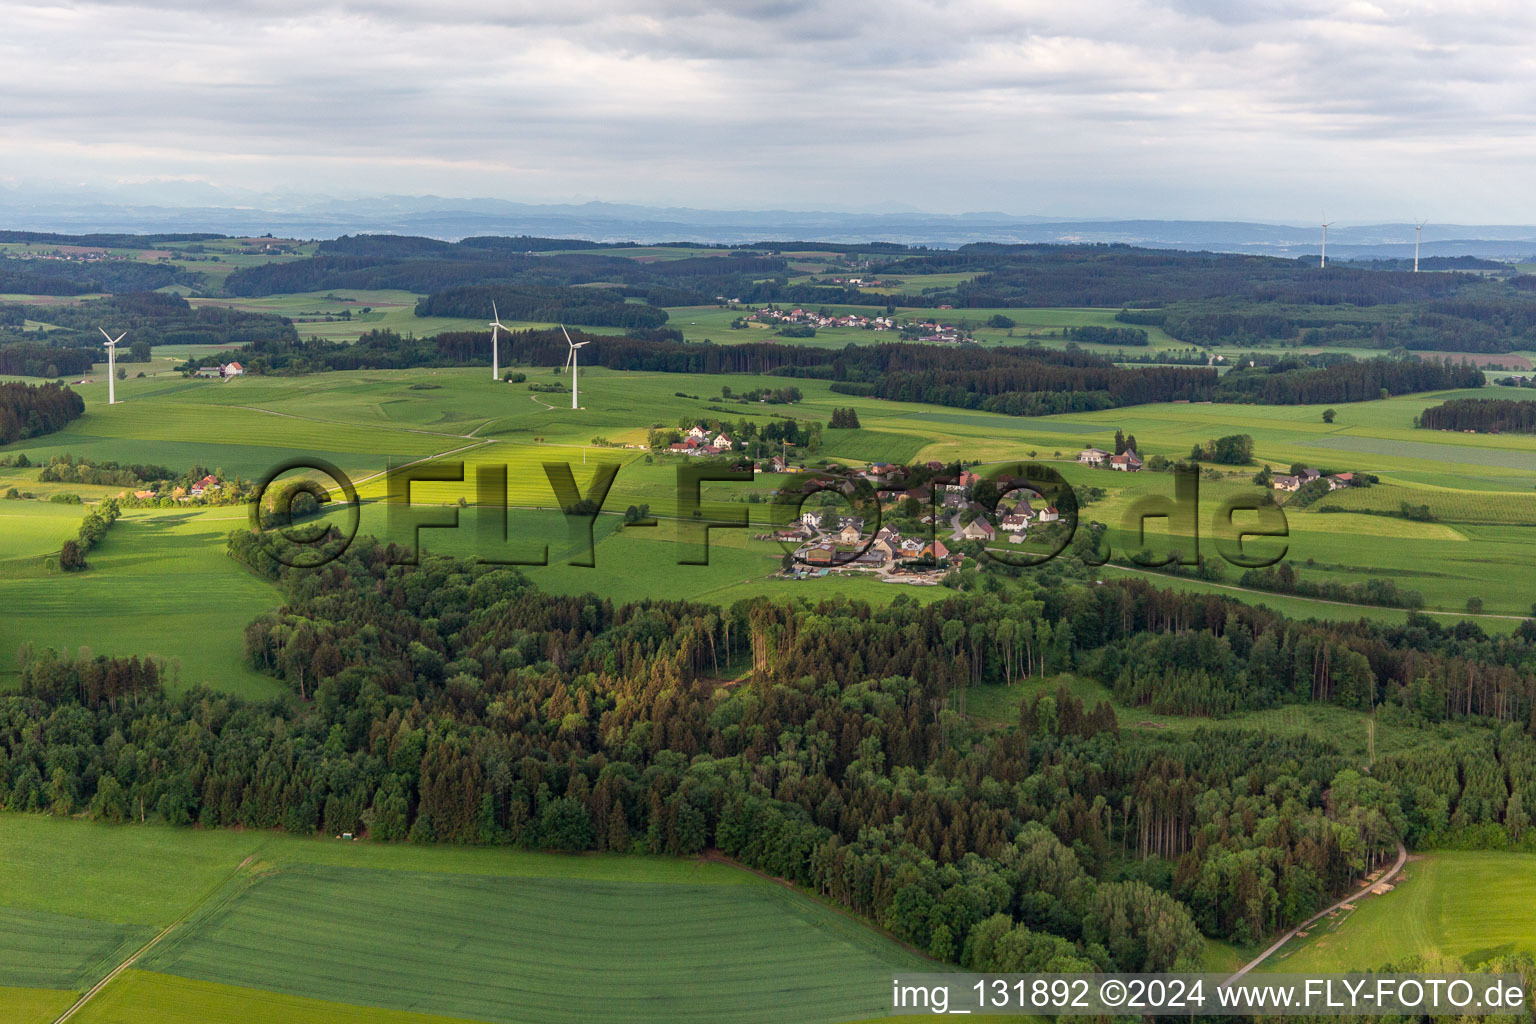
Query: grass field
140	997
160	582
158	585
1467	906
499	950
490	934
32	1005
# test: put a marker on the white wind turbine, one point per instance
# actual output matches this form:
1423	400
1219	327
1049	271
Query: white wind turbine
1418	232
111	347
571	361
1323	261
496	327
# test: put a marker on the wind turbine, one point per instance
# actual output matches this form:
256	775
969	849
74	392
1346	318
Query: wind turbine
1323	262
111	347
1418	232
571	361
496	327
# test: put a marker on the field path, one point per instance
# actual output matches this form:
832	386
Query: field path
96	989
1402	857
541	401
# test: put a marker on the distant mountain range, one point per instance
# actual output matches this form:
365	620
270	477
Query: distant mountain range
181	207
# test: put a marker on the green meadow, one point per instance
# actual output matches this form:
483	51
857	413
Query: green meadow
161	584
273	927
1460	906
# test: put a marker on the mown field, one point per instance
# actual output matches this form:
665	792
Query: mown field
270	927
1462	906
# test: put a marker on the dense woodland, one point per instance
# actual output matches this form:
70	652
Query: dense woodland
20	276
30	359
453	702
1484	415
32	410
1485	316
596	307
375	350
150	318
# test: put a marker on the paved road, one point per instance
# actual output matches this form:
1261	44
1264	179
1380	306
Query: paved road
1402	857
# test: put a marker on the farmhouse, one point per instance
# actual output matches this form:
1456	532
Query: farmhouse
1127	461
978	529
1092	456
1049	514
849	534
1285	483
1339	480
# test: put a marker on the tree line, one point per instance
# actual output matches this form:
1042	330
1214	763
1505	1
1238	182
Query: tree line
32	410
1484	415
454	702
595	307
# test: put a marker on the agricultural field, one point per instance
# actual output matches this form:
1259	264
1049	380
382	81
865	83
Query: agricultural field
162	566
347	315
495	935
1460	906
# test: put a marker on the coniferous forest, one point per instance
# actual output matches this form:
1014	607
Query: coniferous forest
454	702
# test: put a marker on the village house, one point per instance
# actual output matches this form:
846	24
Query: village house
697	433
1285	483
1092	456
1049	514
849	534
1015	522
1126	462
978	529
1339	480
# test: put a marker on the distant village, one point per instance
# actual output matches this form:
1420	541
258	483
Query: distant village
917	330
829	542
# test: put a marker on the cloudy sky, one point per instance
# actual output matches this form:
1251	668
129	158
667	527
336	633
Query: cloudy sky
1159	108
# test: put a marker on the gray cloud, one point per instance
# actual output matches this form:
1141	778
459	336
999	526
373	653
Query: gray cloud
1150	107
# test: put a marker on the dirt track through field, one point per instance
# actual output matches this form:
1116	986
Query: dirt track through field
97	988
1402	857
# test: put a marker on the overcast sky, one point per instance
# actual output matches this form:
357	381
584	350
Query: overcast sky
1163	108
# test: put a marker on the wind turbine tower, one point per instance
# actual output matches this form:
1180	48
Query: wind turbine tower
495	343
571	361
1323	260
1418	233
111	348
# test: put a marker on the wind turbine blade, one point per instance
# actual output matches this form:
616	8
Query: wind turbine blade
104	334
567	336
568	357
495	315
